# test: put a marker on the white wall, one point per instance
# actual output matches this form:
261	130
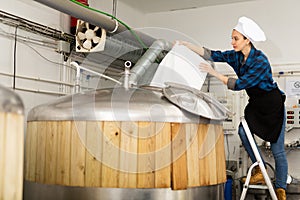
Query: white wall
132	17
33	11
28	62
211	27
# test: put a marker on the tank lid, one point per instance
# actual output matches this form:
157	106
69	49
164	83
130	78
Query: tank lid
195	101
10	101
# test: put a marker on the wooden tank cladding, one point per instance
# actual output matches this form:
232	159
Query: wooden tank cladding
11	155
124	154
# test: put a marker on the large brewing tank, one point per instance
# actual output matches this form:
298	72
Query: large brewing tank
11	145
119	143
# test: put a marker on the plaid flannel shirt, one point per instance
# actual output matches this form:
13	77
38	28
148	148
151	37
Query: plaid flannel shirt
255	72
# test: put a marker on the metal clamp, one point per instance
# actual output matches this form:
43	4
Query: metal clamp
116	27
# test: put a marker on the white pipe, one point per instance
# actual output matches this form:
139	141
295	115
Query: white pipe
75	64
41	91
284	64
77	77
63	70
38	79
127	74
38	91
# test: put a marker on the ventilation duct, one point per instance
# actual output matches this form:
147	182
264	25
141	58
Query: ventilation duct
145	62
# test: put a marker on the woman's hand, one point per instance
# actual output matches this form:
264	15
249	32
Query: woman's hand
207	68
181	42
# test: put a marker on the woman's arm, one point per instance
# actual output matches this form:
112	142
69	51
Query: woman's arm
197	49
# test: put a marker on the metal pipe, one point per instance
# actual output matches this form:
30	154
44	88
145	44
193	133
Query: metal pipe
147	60
41	91
115	54
117	48
38	79
75	10
114	13
95	18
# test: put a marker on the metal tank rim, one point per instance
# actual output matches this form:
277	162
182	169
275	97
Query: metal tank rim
115	104
10	102
37	191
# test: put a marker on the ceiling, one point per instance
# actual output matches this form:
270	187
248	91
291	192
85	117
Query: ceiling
150	6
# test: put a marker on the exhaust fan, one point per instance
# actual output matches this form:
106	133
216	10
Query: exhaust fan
89	38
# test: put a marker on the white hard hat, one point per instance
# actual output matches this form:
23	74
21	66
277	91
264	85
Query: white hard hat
250	29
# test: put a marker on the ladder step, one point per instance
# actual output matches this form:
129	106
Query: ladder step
261	187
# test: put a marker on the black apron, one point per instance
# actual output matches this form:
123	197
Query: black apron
264	113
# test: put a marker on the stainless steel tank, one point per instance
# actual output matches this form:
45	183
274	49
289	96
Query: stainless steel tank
119	143
11	145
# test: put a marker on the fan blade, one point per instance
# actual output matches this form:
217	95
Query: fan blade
96	39
87	25
87	44
81	35
89	34
96	28
81	22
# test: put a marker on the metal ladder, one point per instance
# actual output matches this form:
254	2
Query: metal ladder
258	162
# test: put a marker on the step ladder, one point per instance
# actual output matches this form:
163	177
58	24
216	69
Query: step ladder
258	162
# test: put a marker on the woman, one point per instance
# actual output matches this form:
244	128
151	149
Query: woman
264	113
